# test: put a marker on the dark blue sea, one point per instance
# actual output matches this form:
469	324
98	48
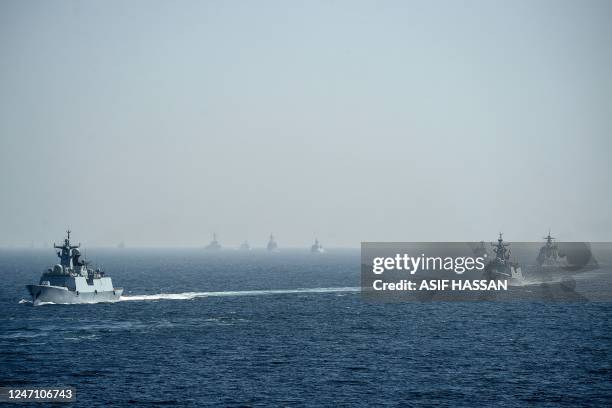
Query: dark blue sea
290	329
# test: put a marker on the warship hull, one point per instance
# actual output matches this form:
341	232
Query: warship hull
60	294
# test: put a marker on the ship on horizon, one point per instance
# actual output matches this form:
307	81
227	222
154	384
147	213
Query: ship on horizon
73	280
214	244
317	248
272	245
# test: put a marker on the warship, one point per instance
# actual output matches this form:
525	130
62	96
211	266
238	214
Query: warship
272	245
549	256
317	248
214	244
501	267
245	246
563	260
73	280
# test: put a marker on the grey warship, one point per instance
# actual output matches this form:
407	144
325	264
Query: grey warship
272	245
73	280
549	255
317	248
214	244
501	267
565	259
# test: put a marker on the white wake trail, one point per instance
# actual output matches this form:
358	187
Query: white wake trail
193	295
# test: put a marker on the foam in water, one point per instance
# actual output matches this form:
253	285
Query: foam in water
38	303
193	295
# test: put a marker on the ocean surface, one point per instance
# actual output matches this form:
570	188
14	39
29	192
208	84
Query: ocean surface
290	329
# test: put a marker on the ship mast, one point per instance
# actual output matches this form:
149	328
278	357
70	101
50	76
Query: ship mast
65	255
549	239
502	252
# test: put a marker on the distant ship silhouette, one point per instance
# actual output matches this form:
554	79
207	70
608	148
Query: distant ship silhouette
317	248
214	244
272	245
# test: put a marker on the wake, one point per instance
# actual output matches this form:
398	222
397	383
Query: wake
194	295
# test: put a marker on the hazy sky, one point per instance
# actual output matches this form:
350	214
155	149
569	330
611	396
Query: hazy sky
157	123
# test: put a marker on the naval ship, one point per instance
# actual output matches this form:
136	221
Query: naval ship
73	280
571	257
501	267
317	248
549	256
245	246
214	244
272	245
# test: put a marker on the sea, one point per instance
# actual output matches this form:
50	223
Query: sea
230	328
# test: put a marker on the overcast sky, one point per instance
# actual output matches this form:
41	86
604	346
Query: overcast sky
157	123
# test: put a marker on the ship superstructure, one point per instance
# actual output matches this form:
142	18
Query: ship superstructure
501	267
73	280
